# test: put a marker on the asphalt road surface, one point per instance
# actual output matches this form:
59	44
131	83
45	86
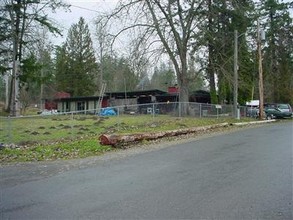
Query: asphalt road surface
245	174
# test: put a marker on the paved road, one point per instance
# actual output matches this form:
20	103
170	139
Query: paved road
241	175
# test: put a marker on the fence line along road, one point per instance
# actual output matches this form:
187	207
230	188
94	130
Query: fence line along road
58	125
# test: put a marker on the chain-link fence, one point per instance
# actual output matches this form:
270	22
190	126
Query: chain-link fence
53	126
178	109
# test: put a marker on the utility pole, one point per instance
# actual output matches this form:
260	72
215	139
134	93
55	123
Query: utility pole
6	80
260	71
42	90
42	56
15	89
235	96
101	39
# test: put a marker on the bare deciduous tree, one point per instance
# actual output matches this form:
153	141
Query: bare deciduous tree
167	26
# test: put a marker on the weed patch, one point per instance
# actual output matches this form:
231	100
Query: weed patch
44	138
66	150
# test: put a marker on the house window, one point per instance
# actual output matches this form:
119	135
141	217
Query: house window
67	106
80	106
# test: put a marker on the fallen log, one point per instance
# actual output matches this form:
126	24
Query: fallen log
115	139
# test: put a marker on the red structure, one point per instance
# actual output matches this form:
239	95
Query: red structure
60	95
173	89
52	104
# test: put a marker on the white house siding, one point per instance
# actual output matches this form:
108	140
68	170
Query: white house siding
73	106
92	105
60	106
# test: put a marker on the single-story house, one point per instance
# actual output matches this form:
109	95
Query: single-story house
131	98
89	103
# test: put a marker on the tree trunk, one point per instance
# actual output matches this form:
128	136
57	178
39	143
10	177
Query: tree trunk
120	140
15	23
210	68
211	75
183	83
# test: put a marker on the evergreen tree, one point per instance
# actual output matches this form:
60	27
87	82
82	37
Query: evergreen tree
77	67
195	76
118	74
2	89
278	54
216	37
62	79
18	20
163	77
125	77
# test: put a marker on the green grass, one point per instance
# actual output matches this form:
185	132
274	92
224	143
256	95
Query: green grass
50	128
63	150
76	136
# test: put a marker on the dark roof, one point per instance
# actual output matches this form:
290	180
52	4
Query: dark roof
80	98
168	95
117	95
133	94
200	93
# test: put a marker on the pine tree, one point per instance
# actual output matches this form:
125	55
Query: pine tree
222	18
18	20
77	67
63	81
277	62
163	77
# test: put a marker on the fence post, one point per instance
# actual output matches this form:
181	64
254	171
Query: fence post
238	112
118	115
153	105
9	130
200	110
71	125
179	106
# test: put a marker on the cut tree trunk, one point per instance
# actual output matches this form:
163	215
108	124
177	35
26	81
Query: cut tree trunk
118	140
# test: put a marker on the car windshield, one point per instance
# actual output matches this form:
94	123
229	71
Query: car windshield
283	106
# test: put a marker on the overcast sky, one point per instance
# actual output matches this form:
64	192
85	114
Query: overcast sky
88	9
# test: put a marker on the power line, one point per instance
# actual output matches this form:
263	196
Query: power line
100	6
87	9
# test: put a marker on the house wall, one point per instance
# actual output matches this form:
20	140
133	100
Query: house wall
91	105
73	105
122	102
60	106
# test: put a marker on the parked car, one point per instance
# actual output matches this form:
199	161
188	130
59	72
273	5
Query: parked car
284	107
281	111
271	110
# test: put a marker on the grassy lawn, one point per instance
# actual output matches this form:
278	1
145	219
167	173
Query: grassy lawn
76	136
